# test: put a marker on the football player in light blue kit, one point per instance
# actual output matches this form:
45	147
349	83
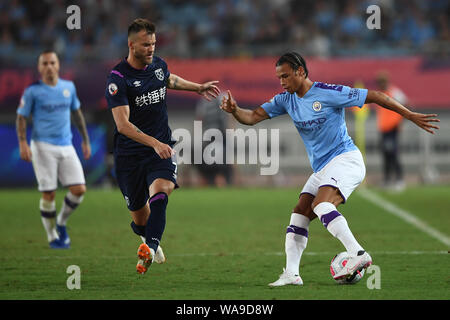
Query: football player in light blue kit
317	110
51	101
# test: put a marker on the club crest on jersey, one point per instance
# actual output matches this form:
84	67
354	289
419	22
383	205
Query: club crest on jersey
66	93
112	88
159	74
317	106
137	83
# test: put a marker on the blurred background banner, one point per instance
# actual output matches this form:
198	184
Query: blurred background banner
238	43
252	81
15	172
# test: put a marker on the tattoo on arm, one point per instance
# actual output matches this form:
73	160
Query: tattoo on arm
21	128
172	84
80	123
137	129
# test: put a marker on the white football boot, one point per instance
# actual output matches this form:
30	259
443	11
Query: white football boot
287	278
356	262
159	256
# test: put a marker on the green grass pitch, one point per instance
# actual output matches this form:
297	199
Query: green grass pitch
221	244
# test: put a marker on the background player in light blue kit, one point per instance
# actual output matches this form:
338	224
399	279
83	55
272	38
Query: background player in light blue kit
51	101
317	110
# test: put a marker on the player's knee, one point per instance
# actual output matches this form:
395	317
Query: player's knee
315	203
335	199
49	195
78	190
304	210
165	187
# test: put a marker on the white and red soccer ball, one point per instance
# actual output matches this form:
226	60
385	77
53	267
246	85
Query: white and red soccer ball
338	262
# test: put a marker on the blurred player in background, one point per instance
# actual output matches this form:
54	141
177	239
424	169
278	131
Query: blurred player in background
317	110
361	115
51	101
146	168
389	123
212	117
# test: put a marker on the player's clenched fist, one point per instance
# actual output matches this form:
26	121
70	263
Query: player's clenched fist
164	151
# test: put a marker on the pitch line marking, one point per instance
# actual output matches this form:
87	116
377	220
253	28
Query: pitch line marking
279	253
404	215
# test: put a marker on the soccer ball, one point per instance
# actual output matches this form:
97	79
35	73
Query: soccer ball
338	262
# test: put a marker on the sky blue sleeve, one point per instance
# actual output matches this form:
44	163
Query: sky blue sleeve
116	91
26	103
345	97
75	105
274	107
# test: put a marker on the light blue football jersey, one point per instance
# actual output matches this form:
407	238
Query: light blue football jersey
319	117
50	109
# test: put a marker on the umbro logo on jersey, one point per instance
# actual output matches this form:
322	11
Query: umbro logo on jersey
137	83
159	74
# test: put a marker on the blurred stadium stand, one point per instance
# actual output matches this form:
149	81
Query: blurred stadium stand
237	42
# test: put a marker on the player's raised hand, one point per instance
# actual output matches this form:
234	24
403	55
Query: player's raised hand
164	151
25	151
228	104
86	147
209	90
424	121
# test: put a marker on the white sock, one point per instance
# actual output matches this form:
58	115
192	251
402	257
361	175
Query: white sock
48	214
70	203
337	225
296	240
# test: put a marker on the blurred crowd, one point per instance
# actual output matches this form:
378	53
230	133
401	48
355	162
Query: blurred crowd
224	28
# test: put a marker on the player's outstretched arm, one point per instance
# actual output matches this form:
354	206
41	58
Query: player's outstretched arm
423	121
244	116
80	123
121	115
21	130
208	89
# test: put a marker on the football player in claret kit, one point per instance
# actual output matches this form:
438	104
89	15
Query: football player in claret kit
318	112
145	163
51	102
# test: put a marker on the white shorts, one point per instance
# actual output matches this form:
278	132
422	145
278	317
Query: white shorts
345	172
52	163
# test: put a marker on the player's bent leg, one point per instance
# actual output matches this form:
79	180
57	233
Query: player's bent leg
145	257
324	206
78	190
140	231
296	241
72	200
159	191
48	217
297	232
161	185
